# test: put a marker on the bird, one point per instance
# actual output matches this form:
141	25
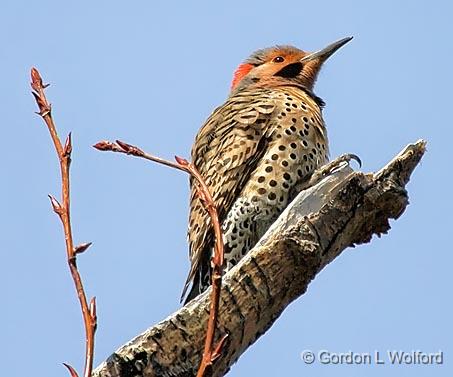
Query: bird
267	137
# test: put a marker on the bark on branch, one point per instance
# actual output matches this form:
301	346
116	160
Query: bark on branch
344	209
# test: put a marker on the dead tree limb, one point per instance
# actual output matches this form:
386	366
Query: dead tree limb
342	210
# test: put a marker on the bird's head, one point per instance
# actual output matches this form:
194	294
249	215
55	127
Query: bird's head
281	65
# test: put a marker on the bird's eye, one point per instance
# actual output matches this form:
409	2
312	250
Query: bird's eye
278	59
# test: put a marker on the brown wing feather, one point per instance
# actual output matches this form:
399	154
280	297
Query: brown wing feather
225	151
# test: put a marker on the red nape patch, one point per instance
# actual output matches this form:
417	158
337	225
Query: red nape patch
239	74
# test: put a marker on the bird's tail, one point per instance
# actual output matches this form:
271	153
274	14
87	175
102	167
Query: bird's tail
200	276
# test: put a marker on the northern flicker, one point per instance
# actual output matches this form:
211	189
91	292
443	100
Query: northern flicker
267	137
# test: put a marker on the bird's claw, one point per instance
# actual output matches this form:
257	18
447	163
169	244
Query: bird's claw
347	157
336	164
326	170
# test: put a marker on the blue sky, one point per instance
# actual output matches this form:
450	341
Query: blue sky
150	74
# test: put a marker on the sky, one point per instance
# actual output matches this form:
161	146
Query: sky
150	73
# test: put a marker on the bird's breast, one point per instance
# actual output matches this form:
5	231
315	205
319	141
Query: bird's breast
297	145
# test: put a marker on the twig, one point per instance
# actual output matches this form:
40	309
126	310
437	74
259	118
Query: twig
63	211
211	352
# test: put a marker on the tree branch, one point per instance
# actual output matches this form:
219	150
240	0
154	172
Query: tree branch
62	209
342	210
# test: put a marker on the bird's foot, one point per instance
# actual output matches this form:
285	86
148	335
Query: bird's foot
333	166
323	172
343	160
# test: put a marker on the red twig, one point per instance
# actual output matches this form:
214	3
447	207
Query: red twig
62	209
211	352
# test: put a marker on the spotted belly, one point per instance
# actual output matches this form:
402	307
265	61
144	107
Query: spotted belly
296	147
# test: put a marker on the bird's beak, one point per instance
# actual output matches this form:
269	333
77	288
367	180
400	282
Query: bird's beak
325	53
